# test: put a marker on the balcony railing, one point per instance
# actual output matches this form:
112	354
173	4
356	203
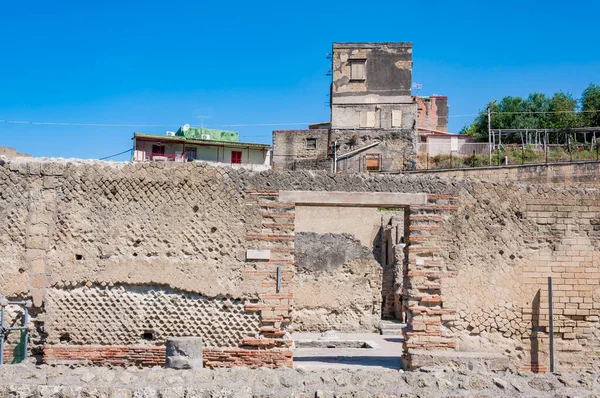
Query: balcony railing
164	157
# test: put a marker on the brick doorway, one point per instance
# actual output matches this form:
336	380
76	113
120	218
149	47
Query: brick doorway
423	269
349	256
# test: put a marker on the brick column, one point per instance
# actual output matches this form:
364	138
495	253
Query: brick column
423	277
276	233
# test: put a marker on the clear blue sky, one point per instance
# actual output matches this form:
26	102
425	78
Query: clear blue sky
168	62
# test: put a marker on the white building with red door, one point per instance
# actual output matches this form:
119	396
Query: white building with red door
191	144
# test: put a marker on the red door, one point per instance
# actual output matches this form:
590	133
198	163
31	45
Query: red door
236	157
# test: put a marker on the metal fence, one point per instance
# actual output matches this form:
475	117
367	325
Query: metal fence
512	147
479	155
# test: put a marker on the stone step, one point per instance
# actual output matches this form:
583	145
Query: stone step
391	327
391	332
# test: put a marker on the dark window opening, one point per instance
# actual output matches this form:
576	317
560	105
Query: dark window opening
78	257
236	157
190	153
311	143
158	149
148	336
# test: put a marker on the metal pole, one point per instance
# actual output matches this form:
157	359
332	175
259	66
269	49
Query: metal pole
25	333
551	315
569	146
335	157
278	278
489	115
2	302
546	144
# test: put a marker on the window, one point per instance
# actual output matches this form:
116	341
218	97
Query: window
311	143
367	119
373	162
357	69
158	149
236	157
397	118
190	153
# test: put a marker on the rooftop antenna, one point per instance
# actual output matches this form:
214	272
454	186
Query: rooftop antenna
202	118
417	86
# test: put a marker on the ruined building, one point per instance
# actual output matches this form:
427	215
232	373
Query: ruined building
373	115
432	113
117	258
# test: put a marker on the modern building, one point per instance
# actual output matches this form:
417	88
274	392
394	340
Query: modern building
373	124
189	144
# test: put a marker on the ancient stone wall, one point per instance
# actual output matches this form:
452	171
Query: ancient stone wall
151	240
580	174
290	146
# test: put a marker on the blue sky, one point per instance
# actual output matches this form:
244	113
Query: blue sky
168	63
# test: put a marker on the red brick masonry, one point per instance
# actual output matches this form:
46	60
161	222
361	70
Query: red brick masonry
155	356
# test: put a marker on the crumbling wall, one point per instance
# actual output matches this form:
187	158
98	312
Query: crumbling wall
579	174
341	267
433	112
338	284
502	244
475	278
291	146
395	149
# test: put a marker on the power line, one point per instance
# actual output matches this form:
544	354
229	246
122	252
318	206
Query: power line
544	112
84	124
141	125
117	154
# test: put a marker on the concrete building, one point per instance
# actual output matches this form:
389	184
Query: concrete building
373	115
201	144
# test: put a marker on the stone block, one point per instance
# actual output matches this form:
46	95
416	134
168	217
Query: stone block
184	353
258	254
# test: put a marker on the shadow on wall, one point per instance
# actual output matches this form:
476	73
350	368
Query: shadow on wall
535	328
327	252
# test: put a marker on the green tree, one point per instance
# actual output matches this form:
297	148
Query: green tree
590	106
564	111
511	113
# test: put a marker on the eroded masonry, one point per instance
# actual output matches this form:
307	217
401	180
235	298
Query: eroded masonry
117	258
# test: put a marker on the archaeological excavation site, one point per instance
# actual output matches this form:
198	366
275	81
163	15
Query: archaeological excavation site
104	262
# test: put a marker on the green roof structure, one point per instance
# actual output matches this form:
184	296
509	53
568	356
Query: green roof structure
199	133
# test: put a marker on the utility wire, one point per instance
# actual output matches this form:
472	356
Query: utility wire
85	124
28	122
141	125
525	112
117	154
